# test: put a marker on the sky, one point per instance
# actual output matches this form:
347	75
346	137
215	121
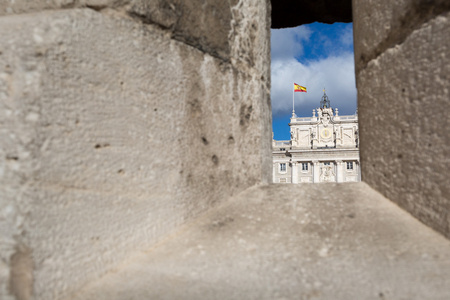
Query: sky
315	56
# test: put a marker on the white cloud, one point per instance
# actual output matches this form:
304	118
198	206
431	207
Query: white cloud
335	73
346	37
334	70
287	43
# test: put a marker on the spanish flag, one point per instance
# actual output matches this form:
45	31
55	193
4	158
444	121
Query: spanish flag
299	88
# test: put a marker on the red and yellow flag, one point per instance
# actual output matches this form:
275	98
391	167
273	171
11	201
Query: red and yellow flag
299	88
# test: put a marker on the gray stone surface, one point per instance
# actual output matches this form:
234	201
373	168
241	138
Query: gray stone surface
205	25
113	133
383	24
326	241
403	109
120	121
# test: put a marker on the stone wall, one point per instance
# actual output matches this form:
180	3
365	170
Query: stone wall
403	73
121	121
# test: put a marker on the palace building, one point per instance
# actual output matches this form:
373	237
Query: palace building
322	148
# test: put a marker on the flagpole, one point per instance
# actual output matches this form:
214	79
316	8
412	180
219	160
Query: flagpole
293	94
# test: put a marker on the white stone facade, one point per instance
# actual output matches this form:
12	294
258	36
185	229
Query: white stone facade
323	148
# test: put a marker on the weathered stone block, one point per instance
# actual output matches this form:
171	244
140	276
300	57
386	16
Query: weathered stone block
383	24
205	25
403	107
113	134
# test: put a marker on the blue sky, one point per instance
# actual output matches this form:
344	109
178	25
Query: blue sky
315	56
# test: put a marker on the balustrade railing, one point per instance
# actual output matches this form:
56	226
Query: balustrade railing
282	143
302	119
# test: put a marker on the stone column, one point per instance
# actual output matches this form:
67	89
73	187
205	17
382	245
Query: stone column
294	174
358	170
339	171
274	172
316	171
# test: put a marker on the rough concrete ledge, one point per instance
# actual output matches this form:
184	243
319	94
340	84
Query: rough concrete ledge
291	242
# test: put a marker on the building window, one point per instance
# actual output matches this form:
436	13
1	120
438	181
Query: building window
326	163
282	167
282	149
349	165
304	166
